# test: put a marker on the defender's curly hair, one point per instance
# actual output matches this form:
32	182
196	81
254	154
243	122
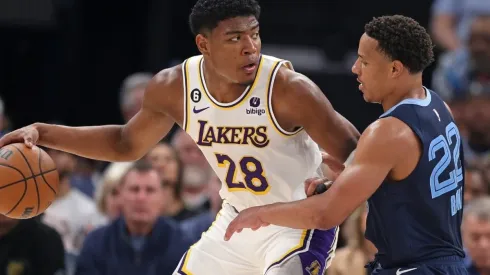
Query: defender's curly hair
404	39
206	14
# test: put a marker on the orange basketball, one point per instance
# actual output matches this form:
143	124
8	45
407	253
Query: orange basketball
29	181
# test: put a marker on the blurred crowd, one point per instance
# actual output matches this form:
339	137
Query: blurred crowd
139	218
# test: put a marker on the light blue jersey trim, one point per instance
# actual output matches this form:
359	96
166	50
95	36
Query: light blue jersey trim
421	102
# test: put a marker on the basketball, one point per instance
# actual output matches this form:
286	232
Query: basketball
28	181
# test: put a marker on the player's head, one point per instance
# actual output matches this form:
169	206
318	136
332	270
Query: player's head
393	49
227	34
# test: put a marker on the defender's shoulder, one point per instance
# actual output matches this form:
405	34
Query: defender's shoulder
389	133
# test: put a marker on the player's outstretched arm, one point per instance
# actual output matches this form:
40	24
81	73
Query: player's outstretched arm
303	103
381	147
112	142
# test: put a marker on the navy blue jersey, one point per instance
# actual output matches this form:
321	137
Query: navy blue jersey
419	218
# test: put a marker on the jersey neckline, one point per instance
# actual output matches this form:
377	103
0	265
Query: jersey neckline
235	102
415	101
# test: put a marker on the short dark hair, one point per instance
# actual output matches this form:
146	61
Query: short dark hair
206	14
404	39
139	166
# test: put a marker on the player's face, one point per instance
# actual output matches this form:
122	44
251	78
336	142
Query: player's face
373	70
234	49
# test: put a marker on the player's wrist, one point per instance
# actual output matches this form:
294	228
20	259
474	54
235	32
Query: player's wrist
41	131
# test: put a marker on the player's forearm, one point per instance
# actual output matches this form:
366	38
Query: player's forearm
94	142
303	214
351	142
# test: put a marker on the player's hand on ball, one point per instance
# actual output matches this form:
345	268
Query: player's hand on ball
248	218
28	135
315	186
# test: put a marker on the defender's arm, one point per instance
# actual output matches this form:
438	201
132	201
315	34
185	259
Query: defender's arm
382	147
304	104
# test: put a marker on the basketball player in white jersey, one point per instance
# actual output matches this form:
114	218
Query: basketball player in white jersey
258	122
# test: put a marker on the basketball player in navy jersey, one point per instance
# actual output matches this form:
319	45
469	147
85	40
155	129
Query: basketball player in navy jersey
408	164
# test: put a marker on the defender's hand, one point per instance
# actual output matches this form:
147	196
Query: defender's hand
248	218
29	135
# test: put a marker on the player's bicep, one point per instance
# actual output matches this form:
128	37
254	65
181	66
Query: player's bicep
152	122
376	155
335	134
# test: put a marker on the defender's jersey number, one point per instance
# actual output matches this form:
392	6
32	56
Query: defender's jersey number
252	170
449	164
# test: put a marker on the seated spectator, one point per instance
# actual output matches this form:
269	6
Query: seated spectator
351	259
477	116
131	93
107	195
451	20
166	161
466	71
140	242
476	236
189	152
475	185
86	176
72	214
195	181
199	224
28	247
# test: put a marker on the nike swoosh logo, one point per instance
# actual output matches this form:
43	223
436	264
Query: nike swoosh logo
197	111
400	271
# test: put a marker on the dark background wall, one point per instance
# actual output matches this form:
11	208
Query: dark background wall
65	60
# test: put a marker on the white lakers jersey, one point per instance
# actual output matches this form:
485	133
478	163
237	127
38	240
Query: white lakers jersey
257	161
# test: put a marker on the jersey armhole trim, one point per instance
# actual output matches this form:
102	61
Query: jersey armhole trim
270	110
185	78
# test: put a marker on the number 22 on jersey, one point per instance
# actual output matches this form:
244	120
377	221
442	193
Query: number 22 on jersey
252	170
450	159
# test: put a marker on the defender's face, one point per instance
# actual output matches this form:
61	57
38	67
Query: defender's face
373	70
234	48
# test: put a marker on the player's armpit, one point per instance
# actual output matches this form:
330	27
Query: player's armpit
380	148
302	103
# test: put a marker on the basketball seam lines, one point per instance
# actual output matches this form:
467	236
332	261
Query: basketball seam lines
25	186
25	179
42	174
32	173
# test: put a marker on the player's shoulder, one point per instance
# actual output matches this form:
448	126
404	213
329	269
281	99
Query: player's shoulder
165	87
292	86
169	77
388	133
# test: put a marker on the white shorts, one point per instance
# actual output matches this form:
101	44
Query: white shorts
270	250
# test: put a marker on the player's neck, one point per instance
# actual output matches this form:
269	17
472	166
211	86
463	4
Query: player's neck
222	89
414	90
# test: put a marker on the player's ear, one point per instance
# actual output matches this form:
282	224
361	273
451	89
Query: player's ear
202	44
397	69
